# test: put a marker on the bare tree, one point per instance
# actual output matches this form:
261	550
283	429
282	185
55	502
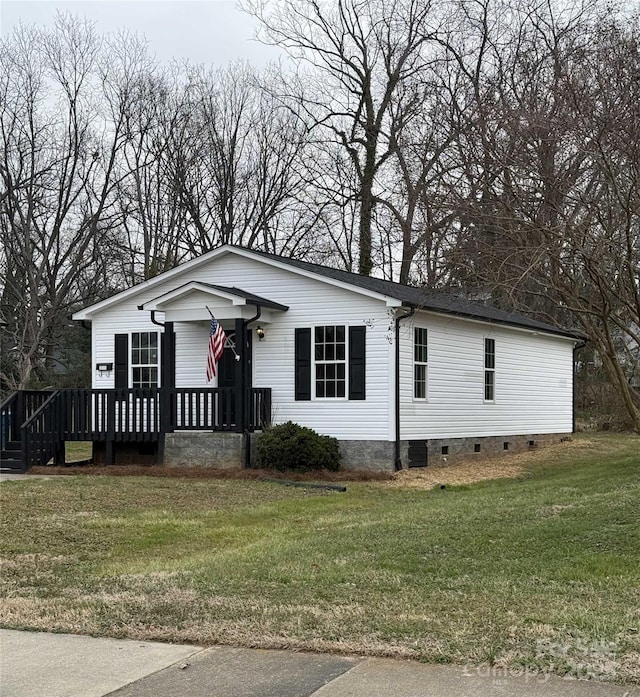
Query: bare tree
354	56
551	216
237	160
62	126
152	215
422	175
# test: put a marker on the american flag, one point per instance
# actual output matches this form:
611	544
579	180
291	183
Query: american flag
217	337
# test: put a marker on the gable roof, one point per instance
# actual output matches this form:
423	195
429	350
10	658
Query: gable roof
184	269
396	294
236	295
427	298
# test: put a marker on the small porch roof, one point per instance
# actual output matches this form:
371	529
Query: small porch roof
191	300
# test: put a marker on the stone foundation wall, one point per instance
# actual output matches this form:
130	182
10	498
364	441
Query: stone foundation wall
370	455
446	451
227	450
204	449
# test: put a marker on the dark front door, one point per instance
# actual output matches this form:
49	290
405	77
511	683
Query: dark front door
226	382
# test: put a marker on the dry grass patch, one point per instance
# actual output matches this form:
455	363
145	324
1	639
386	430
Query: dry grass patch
240	474
466	471
477	469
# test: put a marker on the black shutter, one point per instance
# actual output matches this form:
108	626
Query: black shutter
122	360
357	350
303	365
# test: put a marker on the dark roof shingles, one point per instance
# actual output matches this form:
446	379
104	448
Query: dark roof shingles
427	298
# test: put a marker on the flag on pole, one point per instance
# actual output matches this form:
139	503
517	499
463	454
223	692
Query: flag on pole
217	337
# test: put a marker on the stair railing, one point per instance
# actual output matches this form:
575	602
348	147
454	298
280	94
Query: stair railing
41	433
16	409
8	415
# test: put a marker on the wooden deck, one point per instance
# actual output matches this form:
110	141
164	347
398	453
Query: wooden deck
34	425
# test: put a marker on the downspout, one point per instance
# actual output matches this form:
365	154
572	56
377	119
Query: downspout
154	320
247	435
153	316
254	318
576	348
397	460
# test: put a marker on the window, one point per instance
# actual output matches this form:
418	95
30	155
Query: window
330	350
420	360
144	359
330	362
489	370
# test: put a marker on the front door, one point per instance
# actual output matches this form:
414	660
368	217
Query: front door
226	382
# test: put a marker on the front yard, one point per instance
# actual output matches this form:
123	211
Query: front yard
539	571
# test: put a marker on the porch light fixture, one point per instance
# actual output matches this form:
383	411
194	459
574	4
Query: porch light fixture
260	332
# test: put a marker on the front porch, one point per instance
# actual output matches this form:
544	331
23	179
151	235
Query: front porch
34	425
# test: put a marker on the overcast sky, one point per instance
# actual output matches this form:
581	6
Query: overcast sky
209	31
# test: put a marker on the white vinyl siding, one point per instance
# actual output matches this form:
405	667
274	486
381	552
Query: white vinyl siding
533	381
120	319
192	340
312	303
533	373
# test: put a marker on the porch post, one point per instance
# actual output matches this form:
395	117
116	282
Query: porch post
239	375
247	348
110	436
167	385
169	356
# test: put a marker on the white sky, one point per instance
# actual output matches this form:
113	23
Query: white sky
203	31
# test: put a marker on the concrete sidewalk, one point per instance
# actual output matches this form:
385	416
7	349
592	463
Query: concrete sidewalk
58	665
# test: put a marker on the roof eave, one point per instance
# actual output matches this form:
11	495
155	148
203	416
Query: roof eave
574	335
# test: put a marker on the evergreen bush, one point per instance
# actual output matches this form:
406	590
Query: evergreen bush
290	446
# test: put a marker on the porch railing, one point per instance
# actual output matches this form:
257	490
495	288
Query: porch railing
43	421
141	414
218	409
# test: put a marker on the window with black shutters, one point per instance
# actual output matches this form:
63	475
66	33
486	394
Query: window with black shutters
331	359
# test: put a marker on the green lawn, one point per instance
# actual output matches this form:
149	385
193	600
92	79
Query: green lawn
541	572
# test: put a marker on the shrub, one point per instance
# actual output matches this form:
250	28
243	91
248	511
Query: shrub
289	446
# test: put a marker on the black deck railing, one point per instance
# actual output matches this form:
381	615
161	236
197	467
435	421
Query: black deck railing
43	421
16	409
40	433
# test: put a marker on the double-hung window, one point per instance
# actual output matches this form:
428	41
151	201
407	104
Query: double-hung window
144	359
489	370
420	362
330	357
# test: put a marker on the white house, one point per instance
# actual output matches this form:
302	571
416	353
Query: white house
401	376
